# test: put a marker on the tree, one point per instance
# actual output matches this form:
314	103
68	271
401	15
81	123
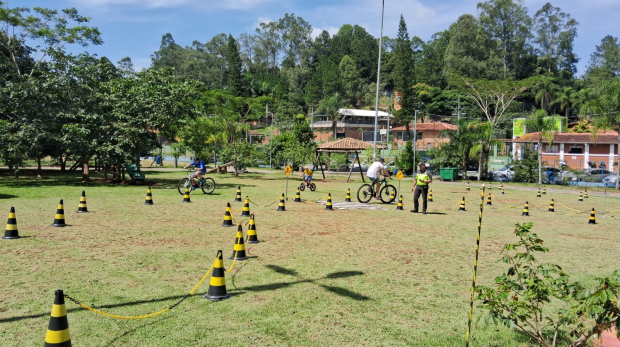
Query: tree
329	106
605	60
605	108
125	67
170	54
539	121
233	73
351	80
544	92
564	98
403	59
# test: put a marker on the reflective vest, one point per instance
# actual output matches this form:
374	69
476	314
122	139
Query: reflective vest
421	178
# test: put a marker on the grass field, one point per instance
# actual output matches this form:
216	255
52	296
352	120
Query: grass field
318	278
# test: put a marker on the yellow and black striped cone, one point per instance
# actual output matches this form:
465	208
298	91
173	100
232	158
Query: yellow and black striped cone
468	189
592	218
252	237
227	217
281	206
544	191
430	196
502	188
149	197
489	202
399	207
82	206
552	206
462	207
297	196
245	211
490	186
348	198
10	232
392	195
217	285
538	193
526	210
501	185
580	196
239	248
238	196
59	218
328	205
585	195
58	330
186	196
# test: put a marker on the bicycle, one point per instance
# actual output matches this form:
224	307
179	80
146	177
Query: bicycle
207	184
387	193
303	185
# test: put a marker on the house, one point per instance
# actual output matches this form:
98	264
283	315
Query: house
576	149
357	124
428	135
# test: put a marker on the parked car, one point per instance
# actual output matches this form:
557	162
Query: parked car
559	175
610	180
356	166
593	175
504	174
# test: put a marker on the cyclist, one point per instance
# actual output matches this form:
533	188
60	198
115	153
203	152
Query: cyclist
200	170
307	175
420	185
377	168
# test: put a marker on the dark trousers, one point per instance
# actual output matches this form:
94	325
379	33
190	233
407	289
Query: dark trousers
416	195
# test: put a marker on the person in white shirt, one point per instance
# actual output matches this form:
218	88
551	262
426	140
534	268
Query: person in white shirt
373	173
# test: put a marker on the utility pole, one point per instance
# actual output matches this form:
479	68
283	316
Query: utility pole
374	151
270	134
415	139
312	119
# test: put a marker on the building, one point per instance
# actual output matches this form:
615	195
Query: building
428	135
357	124
575	149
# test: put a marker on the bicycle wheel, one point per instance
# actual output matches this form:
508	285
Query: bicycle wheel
302	187
184	183
312	186
208	186
365	193
388	194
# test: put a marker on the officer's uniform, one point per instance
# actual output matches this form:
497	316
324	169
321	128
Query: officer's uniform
421	188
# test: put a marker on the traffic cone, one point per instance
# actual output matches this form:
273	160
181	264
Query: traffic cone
281	206
82	206
186	196
328	205
552	206
59	218
239	248
245	211
10	232
502	188
348	198
149	197
238	196
462	207
580	196
252	238
297	196
392	196
399	207
544	191
58	329
501	185
526	210
217	285
430	196
227	217
592	218
489	200
468	189
585	195
490	186
538	193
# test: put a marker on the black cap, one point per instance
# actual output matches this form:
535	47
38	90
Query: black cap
196	158
381	159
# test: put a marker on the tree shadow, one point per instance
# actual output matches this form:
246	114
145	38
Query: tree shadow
8	196
333	289
113	341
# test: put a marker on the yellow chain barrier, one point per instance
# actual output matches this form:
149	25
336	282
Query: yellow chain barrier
92	309
234	260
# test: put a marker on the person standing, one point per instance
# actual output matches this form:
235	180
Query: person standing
420	185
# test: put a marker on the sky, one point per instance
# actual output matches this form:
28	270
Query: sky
134	28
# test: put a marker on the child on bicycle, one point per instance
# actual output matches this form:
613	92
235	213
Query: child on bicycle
200	170
307	175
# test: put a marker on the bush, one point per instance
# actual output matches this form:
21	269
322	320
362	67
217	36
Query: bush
526	169
247	155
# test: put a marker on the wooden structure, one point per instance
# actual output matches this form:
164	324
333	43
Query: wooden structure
346	146
222	169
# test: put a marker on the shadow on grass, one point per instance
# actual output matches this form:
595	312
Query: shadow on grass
131	331
7	196
333	289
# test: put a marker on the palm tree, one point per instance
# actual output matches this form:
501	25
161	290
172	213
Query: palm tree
544	92
540	121
564	98
329	106
481	136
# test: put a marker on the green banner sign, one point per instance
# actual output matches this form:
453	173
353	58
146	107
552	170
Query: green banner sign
518	127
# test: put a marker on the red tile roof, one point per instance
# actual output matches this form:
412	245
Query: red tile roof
428	126
606	137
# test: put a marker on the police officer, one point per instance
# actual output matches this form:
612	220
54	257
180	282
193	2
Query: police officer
420	184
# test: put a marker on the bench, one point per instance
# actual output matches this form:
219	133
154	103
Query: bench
134	172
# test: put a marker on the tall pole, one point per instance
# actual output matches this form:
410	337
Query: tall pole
415	138
312	119
270	134
374	151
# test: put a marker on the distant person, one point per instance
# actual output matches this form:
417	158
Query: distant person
200	170
377	168
420	185
550	176
602	165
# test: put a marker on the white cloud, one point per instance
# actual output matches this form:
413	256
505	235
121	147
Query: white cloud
316	31
260	20
226	4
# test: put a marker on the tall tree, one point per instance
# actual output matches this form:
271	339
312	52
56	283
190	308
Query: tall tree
234	78
605	60
539	121
351	80
402	57
329	106
170	54
125	67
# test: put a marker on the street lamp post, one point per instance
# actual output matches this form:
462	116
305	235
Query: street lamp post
415	139
374	152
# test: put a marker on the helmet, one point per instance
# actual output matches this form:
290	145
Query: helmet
196	159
